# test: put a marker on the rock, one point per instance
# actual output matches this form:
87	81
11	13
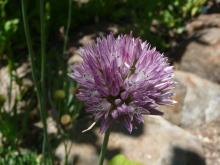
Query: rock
17	87
201	54
158	142
80	154
198	101
52	127
203	21
4	90
209	135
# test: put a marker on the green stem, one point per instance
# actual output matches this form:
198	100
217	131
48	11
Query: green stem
46	147
42	36
65	68
104	147
66	154
29	44
68	26
11	82
34	76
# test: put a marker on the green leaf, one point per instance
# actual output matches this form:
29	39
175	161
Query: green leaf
194	11
11	25
122	160
2	100
8	127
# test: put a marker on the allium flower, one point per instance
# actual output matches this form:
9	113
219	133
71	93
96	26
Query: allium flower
121	79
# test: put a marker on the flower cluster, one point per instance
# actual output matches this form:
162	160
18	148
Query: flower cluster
121	79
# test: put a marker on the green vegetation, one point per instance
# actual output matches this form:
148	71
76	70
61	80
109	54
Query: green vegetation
13	157
122	160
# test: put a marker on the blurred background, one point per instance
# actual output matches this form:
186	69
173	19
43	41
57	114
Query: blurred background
187	31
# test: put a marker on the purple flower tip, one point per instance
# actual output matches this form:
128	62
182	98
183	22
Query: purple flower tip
121	79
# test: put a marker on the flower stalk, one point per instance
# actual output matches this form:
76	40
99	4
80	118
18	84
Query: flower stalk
66	84
40	87
46	146
67	27
104	147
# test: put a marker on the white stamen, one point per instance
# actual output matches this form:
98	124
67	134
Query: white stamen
90	127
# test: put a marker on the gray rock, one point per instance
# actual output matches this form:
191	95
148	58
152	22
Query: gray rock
201	54
158	142
209	134
80	154
198	101
202	22
16	89
161	143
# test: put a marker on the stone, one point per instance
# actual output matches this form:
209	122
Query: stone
160	144
80	154
202	22
16	88
201	51
209	135
157	142
198	101
201	54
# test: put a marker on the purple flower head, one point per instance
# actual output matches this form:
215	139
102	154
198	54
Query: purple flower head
121	79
